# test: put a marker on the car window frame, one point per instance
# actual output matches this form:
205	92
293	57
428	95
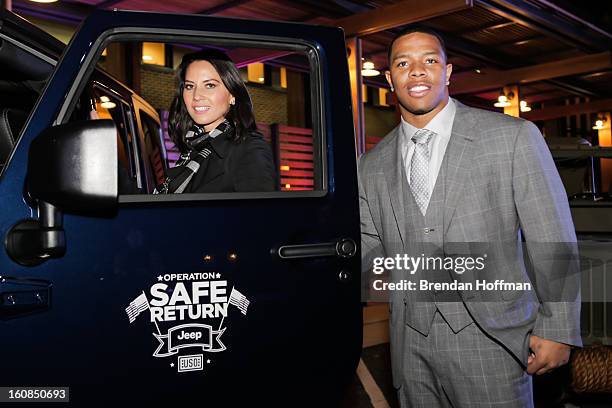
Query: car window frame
141	107
318	108
133	147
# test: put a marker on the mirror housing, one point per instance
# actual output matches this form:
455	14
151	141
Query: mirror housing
74	166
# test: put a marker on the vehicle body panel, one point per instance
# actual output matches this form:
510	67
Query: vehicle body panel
301	337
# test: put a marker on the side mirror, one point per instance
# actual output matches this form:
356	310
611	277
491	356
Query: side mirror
74	166
71	168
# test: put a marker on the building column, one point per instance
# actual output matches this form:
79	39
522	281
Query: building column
514	109
354	60
605	140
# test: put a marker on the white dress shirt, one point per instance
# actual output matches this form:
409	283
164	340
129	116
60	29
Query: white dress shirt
442	126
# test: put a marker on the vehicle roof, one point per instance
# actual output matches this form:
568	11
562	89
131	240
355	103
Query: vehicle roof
25	32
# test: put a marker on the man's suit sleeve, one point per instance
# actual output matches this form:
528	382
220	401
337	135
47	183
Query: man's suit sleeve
371	243
546	223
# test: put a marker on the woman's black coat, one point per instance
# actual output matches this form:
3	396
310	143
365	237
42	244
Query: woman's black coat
235	167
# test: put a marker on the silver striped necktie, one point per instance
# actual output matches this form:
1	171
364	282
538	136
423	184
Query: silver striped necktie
419	168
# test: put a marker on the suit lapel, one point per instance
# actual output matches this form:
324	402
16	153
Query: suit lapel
459	156
391	163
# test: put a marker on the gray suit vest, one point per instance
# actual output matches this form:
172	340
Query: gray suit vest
424	236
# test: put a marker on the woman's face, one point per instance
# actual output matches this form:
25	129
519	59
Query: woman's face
205	96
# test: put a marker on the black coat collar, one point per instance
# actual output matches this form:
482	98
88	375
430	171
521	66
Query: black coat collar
221	144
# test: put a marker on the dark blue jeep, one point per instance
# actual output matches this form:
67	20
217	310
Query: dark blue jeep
213	299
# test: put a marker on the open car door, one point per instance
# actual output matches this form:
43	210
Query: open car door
208	298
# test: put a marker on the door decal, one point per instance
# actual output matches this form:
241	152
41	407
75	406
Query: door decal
195	302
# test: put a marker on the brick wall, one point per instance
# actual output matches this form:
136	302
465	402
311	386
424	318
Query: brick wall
158	84
270	105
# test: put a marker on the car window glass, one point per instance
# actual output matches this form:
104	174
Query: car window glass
22	77
281	83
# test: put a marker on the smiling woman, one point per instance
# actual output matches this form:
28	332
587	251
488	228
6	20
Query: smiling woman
205	96
212	123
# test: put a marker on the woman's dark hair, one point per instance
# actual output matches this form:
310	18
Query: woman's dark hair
240	114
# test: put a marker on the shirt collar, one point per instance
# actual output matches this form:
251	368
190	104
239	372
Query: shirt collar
441	124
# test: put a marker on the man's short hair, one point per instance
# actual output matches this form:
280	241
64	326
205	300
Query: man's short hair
417	29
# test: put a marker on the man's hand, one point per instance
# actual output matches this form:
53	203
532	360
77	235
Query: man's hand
546	355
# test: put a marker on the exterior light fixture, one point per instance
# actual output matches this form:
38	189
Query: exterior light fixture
369	69
106	103
524	106
503	100
599	124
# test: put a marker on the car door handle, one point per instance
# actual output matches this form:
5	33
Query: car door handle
22	297
343	248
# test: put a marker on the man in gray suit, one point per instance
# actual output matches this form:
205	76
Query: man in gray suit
453	174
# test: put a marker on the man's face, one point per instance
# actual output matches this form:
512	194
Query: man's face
419	73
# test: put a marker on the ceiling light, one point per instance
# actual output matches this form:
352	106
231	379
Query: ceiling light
478	71
524	106
147	58
503	104
599	124
106	103
44	1
369	69
503	100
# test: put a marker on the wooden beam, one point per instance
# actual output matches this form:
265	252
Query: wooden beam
519	41
397	14
554	112
473	82
565	28
492	25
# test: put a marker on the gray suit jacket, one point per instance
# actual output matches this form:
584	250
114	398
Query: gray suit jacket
501	179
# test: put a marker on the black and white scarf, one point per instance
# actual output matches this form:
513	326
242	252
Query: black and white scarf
198	141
